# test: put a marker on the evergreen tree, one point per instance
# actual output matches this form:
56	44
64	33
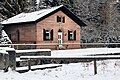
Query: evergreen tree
11	8
101	16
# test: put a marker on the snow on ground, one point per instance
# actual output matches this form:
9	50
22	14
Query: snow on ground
107	70
31	50
39	66
87	51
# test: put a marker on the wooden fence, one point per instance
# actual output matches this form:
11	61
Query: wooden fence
93	58
83	45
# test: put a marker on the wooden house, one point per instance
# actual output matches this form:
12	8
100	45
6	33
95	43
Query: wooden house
56	25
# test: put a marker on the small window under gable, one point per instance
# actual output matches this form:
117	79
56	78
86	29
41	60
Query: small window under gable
61	19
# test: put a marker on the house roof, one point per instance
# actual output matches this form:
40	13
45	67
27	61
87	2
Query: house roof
41	14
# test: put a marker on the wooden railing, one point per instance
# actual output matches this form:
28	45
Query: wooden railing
83	45
92	58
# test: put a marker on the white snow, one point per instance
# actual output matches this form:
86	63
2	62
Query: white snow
6	36
74	53
87	51
7	48
29	17
107	70
3	51
38	66
32	50
94	57
18	59
5	39
38	1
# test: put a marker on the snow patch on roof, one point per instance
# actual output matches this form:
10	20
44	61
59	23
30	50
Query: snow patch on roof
29	17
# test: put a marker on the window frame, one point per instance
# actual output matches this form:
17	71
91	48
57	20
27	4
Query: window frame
71	35
47	35
61	19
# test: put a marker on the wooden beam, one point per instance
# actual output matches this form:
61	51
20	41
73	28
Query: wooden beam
95	67
72	57
29	64
94	58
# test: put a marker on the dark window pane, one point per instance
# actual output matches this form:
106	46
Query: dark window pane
61	19
58	19
71	36
47	34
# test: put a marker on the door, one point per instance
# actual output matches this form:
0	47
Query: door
60	38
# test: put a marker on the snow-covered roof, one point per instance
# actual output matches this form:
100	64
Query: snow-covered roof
30	17
39	15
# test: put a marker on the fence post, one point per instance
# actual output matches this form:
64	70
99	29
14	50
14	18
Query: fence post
95	67
29	64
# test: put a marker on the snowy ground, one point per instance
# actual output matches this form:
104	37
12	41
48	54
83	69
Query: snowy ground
107	70
83	52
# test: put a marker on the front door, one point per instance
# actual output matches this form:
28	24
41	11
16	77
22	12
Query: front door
60	38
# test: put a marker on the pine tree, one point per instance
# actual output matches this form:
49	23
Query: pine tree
103	20
11	8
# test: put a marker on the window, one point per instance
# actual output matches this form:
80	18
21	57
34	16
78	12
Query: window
47	34
18	35
71	35
61	19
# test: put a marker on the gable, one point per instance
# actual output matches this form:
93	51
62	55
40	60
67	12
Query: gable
66	12
52	20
